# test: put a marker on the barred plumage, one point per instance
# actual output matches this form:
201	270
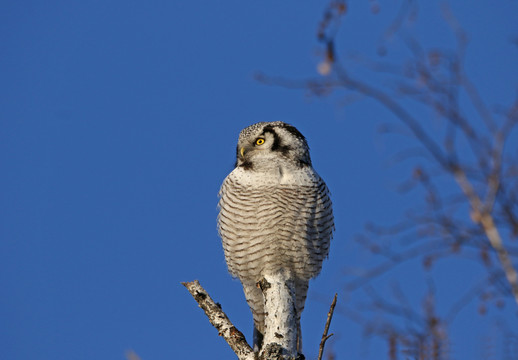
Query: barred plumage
275	213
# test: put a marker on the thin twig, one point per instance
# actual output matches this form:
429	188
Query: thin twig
326	329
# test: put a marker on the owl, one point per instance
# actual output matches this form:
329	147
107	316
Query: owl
275	214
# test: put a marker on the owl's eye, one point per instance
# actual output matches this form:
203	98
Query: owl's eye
259	141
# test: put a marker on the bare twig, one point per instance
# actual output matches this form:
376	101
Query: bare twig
326	328
220	321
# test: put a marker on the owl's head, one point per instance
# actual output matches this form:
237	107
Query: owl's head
271	141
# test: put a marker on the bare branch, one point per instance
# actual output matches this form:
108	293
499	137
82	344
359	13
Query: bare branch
484	218
234	338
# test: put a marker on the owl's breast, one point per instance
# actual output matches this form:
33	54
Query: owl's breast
276	221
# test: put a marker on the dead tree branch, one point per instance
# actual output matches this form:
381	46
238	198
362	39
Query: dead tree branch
234	338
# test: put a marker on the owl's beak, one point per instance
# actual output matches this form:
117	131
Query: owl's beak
242	151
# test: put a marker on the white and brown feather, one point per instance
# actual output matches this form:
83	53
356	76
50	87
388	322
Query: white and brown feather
275	214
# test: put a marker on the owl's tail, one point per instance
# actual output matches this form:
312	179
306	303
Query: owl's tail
254	298
301	289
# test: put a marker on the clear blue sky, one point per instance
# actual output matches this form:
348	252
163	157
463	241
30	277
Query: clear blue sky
118	123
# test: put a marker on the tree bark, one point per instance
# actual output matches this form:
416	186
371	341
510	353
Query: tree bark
280	337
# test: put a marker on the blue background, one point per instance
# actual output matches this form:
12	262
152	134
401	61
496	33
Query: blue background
118	124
